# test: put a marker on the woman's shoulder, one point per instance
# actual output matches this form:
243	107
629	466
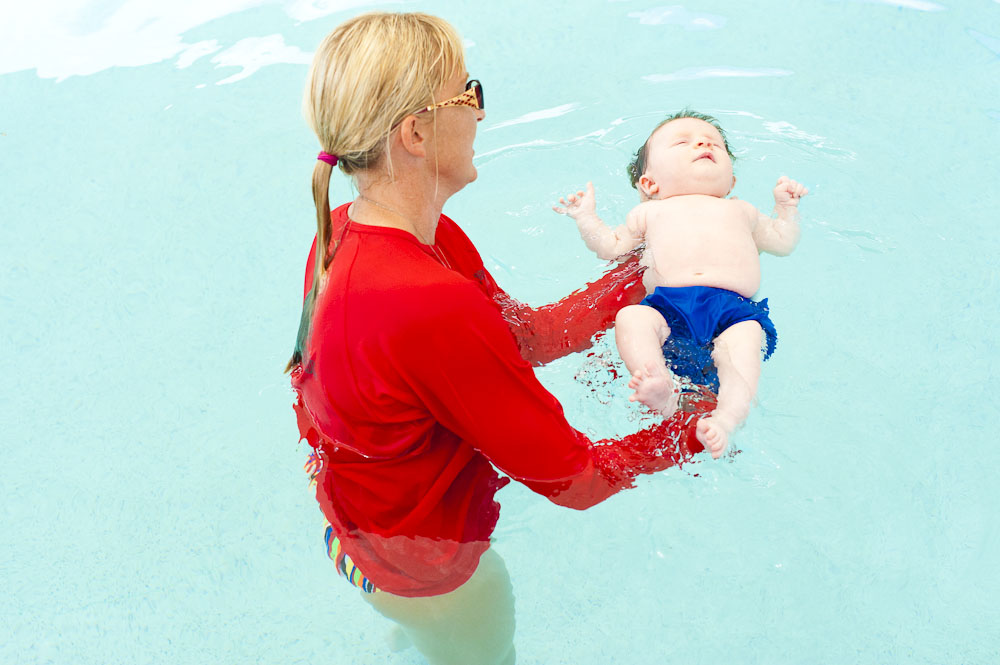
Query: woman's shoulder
449	295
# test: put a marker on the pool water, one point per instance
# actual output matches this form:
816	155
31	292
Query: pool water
156	216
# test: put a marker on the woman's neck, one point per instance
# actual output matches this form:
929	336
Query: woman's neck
397	206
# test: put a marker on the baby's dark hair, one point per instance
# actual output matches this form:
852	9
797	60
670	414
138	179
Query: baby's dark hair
638	164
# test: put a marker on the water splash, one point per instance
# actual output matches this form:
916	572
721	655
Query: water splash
600	372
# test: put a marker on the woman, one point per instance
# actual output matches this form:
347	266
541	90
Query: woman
411	385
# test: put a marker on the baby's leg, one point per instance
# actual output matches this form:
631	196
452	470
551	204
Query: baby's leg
737	358
472	625
640	332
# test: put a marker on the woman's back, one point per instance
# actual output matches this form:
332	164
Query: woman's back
406	441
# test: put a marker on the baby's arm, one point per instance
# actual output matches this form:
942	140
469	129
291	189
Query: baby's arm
605	242
780	234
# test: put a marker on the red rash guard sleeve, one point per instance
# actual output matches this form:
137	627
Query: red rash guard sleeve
474	383
466	369
552	331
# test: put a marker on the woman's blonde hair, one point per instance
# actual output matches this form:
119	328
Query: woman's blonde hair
367	75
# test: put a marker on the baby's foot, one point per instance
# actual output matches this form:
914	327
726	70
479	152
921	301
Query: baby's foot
713	432
655	390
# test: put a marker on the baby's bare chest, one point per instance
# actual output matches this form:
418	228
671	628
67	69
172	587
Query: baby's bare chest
705	218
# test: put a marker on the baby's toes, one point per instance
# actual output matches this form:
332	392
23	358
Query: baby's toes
636	379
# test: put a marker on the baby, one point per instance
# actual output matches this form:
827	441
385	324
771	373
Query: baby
702	266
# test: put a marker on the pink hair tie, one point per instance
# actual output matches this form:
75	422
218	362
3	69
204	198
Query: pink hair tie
327	157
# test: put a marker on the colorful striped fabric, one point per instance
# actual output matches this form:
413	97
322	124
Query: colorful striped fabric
343	562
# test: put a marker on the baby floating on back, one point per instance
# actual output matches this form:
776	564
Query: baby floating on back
702	269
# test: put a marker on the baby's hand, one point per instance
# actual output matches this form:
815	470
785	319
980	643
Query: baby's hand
788	192
578	205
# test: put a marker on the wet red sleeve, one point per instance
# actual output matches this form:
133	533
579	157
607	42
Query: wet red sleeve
558	329
463	364
458	355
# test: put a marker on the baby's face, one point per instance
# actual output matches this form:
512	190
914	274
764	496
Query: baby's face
688	156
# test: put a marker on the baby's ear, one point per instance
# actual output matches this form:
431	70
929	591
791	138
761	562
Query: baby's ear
648	186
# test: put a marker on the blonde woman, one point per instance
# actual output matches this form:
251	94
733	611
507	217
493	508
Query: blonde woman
413	368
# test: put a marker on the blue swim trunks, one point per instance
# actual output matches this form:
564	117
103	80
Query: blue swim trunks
696	315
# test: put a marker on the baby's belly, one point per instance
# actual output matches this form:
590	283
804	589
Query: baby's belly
743	282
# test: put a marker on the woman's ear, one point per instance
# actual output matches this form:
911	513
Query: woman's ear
413	137
648	187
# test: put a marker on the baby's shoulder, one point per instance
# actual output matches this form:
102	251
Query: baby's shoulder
652	207
740	204
638	213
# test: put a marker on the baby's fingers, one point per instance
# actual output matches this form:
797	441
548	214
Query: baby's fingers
797	190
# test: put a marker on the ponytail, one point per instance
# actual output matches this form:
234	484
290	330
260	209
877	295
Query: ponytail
359	87
321	196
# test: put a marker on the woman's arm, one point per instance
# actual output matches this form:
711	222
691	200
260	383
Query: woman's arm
615	463
470	377
552	331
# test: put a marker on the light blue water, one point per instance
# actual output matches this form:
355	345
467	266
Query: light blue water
155	216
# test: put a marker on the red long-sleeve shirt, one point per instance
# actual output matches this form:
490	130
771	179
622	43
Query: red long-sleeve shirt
412	388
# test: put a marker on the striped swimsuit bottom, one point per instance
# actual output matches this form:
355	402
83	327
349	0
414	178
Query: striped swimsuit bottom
345	566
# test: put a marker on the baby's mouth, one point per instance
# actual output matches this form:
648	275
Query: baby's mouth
706	155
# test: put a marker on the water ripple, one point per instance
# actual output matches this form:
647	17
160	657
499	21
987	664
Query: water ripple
539	144
253	53
677	15
84	37
790	132
989	41
79	38
918	5
534	116
863	239
197	51
694	73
